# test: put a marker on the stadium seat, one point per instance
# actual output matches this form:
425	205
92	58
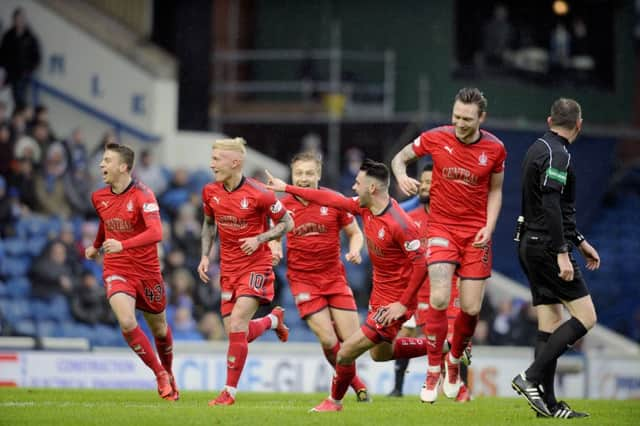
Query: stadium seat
25	327
4	290
16	266
15	310
35	245
18	287
48	328
15	246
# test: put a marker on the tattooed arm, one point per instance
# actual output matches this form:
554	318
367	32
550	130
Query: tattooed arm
284	225
208	235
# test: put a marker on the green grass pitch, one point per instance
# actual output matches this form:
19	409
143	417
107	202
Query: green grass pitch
24	406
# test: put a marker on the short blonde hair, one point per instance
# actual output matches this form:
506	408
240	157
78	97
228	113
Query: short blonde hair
235	144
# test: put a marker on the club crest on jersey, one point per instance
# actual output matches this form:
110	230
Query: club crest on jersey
276	207
324	210
244	204
129	206
381	234
482	159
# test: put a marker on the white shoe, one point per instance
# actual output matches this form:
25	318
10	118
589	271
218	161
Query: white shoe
452	382
429	392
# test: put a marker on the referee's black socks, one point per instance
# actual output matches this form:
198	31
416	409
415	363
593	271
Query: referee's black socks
559	341
549	373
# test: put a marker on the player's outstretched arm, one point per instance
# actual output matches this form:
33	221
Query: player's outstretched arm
356	241
408	186
207	237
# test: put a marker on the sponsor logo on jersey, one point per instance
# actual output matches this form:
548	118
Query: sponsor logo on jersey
150	207
438	242
448	149
244	204
216	199
416	141
381	234
226	295
104	203
412	245
129	206
483	159
276	207
324	210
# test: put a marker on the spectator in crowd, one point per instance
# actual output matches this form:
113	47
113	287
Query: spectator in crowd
525	325
23	181
49	185
6	149
27	148
501	327
498	35
88	302
50	274
4	117
6	213
354	158
68	238
20	56
41	133
76	149
186	233
150	173
18	122
77	186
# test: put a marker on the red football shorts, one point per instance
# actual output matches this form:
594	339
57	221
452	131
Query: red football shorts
454	245
256	284
149	293
314	291
378	333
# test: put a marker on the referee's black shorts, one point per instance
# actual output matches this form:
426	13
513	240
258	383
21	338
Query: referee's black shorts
540	264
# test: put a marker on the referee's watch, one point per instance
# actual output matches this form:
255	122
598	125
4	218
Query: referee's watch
564	248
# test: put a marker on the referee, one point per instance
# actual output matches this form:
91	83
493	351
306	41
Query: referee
548	236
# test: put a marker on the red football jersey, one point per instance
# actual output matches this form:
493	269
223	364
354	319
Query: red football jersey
133	218
314	242
241	213
392	240
461	175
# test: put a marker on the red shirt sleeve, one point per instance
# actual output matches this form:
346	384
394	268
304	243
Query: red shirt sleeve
274	208
97	243
327	198
502	156
208	211
150	212
421	143
410	241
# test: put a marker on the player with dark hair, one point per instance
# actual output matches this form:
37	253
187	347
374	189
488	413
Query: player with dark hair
466	196
316	275
129	231
238	208
420	216
546	242
399	268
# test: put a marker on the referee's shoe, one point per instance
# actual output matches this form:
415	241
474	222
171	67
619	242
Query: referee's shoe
563	411
532	392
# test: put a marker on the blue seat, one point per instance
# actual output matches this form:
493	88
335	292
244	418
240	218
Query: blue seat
15	246
35	245
19	287
32	226
4	289
25	327
48	328
16	266
190	335
16	310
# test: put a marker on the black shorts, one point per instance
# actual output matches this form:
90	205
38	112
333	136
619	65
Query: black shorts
540	264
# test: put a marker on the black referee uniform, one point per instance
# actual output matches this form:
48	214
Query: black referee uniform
548	206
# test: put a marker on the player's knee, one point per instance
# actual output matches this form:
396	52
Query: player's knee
439	302
128	324
471	310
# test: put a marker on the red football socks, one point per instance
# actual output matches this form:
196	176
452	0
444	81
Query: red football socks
463	330
436	332
141	345
164	345
257	327
409	347
341	380
236	357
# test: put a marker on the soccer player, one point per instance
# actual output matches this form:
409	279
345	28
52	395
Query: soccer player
239	207
466	196
420	216
399	268
128	233
314	270
550	233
